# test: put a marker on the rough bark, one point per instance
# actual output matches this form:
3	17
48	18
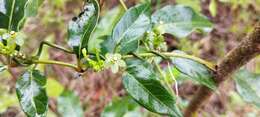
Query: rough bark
248	49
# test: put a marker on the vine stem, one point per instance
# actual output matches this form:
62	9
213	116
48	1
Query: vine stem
123	4
173	54
56	63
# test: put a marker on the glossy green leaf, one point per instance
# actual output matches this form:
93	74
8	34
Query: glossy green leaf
119	107
131	27
69	105
104	27
195	71
140	81
2	68
80	28
107	46
30	90
180	21
14	12
248	85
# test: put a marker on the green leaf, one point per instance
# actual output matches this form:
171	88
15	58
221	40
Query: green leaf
30	90
140	81
180	21
178	76
2	68
80	28
14	12
54	88
119	107
213	8
7	100
195	71
107	46
131	27
248	85
104	27
69	105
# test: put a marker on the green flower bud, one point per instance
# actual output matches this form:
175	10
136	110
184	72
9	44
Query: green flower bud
84	52
96	65
10	42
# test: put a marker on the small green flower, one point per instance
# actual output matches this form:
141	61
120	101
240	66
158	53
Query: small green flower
84	52
155	40
9	42
114	62
96	65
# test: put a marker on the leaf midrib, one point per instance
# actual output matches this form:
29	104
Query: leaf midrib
169	108
192	23
123	35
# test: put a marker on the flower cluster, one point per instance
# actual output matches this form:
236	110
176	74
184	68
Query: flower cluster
96	65
10	42
112	61
155	40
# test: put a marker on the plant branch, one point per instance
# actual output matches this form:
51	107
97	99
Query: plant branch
56	63
159	54
173	54
248	49
54	46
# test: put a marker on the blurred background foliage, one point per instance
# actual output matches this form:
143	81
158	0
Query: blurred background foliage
94	92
